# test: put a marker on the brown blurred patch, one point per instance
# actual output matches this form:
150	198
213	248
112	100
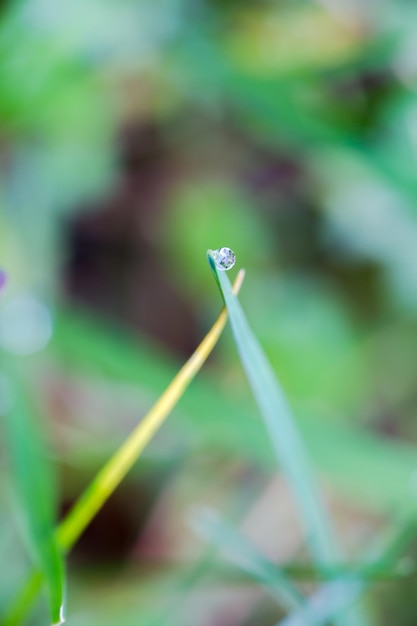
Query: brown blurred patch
114	265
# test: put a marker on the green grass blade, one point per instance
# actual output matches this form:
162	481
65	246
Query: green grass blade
121	462
332	598
239	551
27	598
326	604
375	470
283	434
34	484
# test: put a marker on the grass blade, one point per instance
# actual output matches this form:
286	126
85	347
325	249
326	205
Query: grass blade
117	467
34	485
326	604
121	462
332	598
239	550
376	471
283	432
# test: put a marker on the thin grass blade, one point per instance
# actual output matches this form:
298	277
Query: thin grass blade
121	462
34	484
332	598
239	551
283	433
326	604
377	471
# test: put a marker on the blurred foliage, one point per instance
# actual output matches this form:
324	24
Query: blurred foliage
134	136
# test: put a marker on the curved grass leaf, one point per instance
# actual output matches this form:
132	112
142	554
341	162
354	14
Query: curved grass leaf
374	470
34	484
281	427
283	433
121	462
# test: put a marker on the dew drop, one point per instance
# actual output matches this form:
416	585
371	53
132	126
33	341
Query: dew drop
224	258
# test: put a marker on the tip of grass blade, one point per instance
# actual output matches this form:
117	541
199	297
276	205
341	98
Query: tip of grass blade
239	278
61	617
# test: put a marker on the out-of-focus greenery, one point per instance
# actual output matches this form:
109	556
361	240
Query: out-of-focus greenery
134	136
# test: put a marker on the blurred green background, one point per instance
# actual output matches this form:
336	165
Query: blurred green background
134	135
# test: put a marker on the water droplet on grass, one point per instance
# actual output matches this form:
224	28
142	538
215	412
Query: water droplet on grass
224	258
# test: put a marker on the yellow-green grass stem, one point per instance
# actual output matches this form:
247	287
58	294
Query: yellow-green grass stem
113	472
121	462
